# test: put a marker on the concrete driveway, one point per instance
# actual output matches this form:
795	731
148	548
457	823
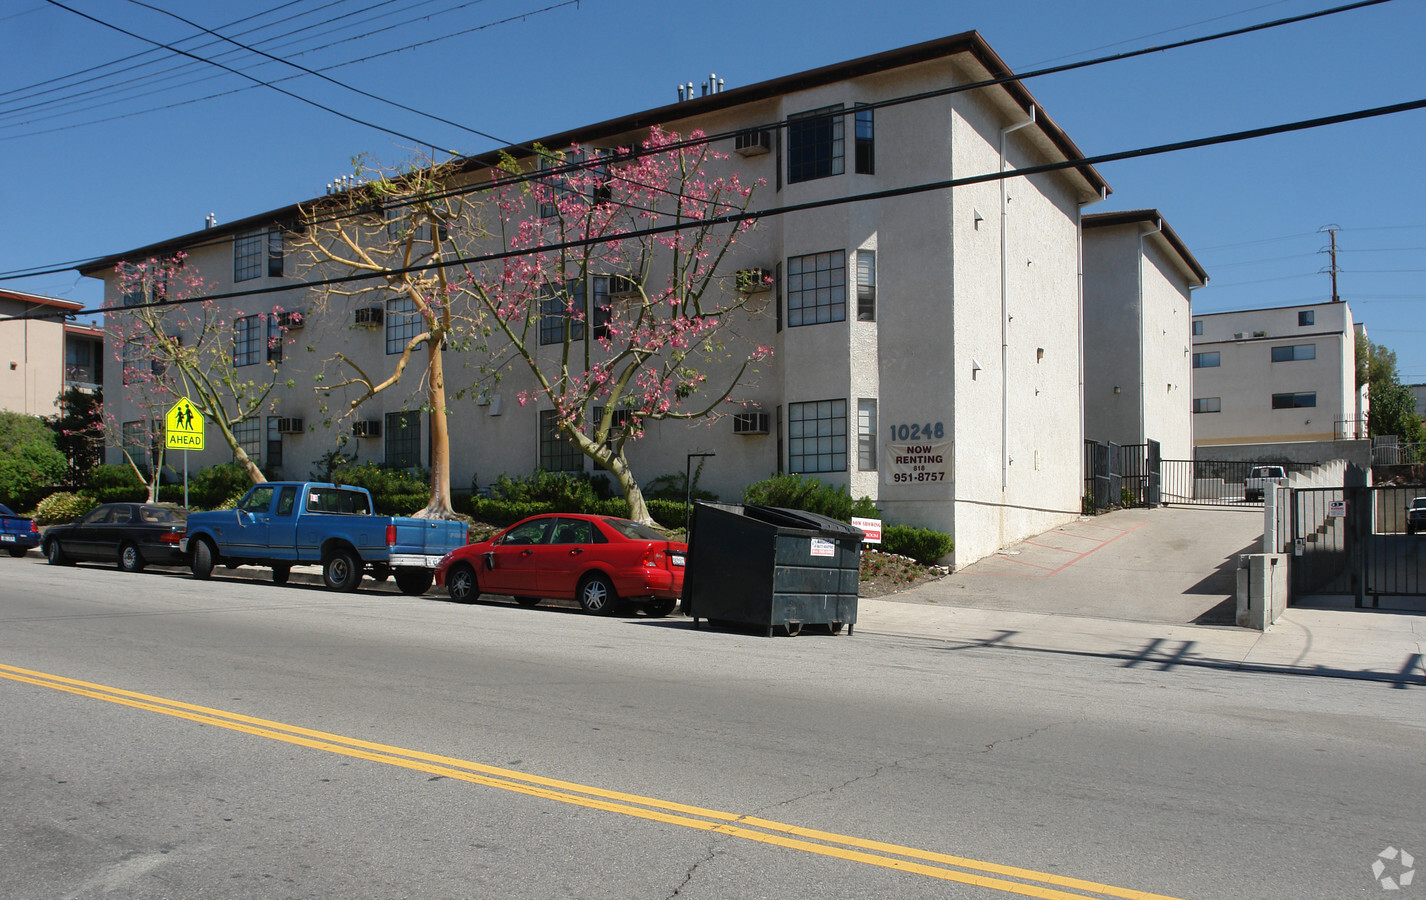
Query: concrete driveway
1172	565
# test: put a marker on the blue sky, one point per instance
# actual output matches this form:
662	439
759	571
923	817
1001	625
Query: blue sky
110	171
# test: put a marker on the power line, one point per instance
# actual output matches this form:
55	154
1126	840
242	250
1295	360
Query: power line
910	98
809	206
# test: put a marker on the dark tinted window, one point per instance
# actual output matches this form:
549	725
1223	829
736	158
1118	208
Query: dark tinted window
634	530
528	532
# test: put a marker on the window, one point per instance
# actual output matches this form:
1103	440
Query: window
596	180
248	333
777	300
556	453
601	311
274	251
1198	327
1205	360
338	501
1295	401
866	142
134	359
152	288
403	440
778	428
1306	317
866	285
817	288
134	441
1294	352
248	434
274	339
1207	404
274	442
249	249
562	314
817	436
866	435
403	322
814	144
287	500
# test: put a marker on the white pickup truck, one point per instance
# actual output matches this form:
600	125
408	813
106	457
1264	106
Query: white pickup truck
1255	487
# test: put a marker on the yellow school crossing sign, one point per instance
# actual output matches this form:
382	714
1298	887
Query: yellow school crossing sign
184	424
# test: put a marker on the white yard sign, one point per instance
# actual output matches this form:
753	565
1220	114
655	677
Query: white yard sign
918	463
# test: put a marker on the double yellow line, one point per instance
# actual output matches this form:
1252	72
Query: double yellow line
911	860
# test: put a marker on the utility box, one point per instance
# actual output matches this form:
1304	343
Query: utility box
773	568
1262	589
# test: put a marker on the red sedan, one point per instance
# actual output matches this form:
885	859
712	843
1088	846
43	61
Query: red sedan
597	560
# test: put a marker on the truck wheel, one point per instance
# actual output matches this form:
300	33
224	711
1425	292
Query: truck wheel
203	559
280	574
414	581
341	571
461	583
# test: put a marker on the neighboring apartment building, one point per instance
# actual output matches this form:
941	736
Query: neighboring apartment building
1281	375
36	346
1137	376
948	318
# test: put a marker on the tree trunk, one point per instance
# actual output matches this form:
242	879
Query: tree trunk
638	510
440	505
241	458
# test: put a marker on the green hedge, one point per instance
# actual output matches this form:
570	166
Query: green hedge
211	487
117	484
921	544
666	513
394	492
810	495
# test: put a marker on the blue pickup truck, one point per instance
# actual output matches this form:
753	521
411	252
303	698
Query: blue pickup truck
285	523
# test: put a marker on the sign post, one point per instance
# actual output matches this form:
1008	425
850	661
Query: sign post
184	428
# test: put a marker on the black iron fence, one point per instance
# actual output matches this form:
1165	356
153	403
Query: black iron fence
1121	475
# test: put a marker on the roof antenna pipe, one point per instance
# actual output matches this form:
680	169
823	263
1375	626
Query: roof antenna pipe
1004	307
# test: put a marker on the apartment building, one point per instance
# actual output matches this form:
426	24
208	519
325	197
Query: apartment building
1281	375
943	324
38	347
1138	276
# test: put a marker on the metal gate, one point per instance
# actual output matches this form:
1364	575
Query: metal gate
1211	482
1122	474
1355	541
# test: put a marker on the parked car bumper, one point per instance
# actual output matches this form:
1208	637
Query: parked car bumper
28	541
647	581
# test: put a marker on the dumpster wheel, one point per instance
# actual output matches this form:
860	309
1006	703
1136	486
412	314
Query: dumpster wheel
792	629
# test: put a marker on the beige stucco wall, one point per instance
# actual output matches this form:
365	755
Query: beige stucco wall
31	360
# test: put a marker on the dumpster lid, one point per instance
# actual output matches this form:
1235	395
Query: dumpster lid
807	521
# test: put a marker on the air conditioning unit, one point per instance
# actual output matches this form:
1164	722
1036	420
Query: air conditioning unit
750	423
369	315
754	281
753	142
367	428
290	426
292	319
1240	335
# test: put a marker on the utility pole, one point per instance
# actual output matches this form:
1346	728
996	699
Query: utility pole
1332	255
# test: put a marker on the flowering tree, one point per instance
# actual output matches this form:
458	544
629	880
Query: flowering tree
391	221
617	328
171	344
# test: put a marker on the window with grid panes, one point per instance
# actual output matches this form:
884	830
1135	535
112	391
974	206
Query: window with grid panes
558	313
403	322
814	144
403	439
817	288
250	252
249	336
817	436
134	441
249	436
866	435
557	454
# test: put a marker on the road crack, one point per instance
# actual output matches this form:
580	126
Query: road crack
688	877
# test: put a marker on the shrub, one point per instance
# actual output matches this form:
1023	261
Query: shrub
810	495
63	507
507	512
211	486
674	487
117	484
921	544
669	514
567	492
30	464
394	492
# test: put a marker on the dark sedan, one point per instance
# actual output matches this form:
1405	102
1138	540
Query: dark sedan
17	533
132	534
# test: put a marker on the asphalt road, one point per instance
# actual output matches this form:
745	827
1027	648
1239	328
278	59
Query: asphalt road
162	737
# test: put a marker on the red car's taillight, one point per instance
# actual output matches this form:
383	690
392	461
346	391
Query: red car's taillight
172	537
655	558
